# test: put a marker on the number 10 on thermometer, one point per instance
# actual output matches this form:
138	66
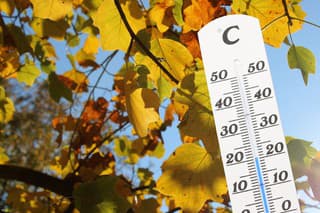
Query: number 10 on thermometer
251	140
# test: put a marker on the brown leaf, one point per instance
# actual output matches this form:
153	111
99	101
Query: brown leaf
169	114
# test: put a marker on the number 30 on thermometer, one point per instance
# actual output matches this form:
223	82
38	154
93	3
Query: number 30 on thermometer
242	96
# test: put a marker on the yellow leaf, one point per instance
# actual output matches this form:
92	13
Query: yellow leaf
91	45
198	119
158	14
6	110
47	28
192	177
114	34
142	106
9	62
271	16
51	9
3	157
174	56
7	6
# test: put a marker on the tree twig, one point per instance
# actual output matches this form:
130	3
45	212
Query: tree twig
143	47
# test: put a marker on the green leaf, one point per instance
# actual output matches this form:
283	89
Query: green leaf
301	153
28	73
303	59
57	89
102	196
177	12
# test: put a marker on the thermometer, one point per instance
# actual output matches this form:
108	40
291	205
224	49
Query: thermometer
251	139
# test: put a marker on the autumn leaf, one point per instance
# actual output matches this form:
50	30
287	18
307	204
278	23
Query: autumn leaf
101	196
91	45
162	15
114	34
28	73
51	9
198	119
191	177
148	205
191	41
199	13
301	160
9	62
174	56
57	89
7	6
271	14
144	102
303	59
48	28
314	176
3	157
78	81
6	107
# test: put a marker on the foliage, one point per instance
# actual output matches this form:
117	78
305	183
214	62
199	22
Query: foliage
77	103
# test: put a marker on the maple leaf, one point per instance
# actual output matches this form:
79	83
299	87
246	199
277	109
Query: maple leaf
192	177
51	9
114	34
271	14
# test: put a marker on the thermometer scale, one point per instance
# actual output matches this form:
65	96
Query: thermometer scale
251	140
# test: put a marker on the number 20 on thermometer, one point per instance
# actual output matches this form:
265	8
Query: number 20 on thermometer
242	96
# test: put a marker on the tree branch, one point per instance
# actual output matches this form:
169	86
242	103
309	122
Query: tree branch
143	47
29	176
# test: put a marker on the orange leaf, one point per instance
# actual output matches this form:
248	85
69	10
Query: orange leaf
95	110
200	12
190	39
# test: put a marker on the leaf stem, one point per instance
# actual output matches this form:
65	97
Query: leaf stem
286	10
143	47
